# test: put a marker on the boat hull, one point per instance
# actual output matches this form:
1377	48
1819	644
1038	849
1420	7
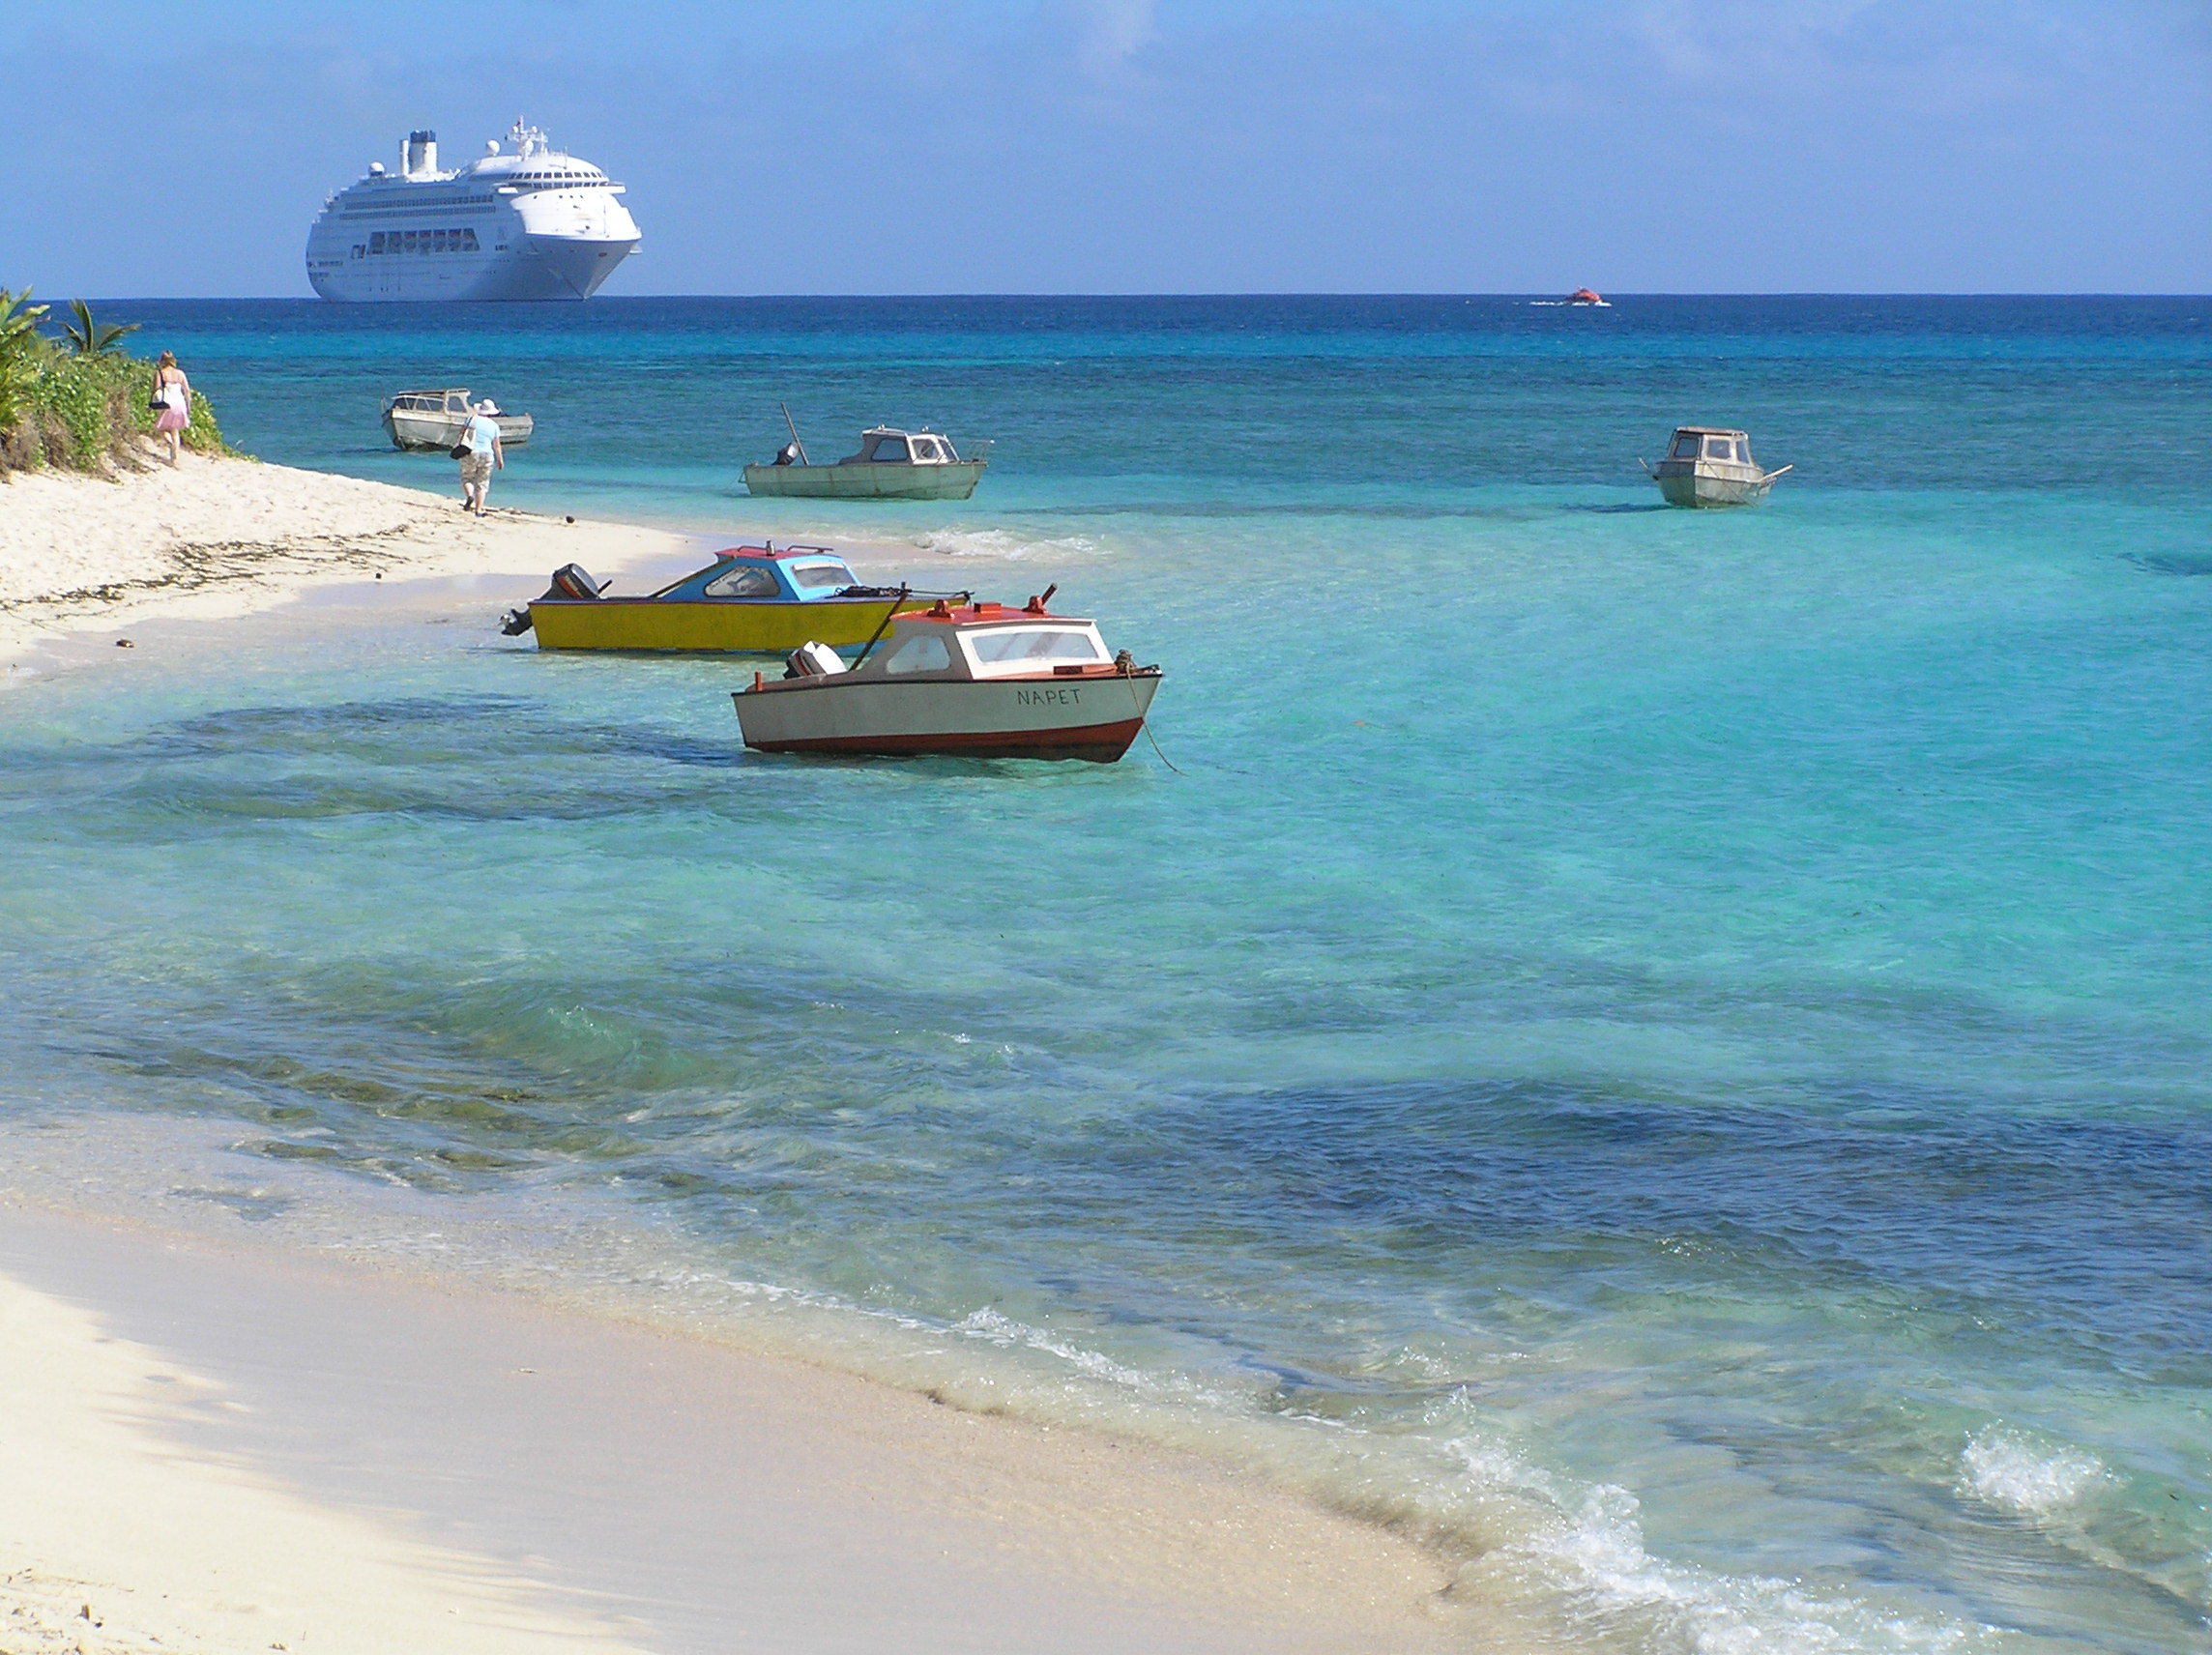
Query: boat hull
1092	719
708	625
866	480
420	431
1700	484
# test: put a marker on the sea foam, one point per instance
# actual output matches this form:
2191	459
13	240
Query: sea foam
1008	544
2005	1468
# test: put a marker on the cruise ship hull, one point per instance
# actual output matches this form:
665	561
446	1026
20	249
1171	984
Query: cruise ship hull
531	268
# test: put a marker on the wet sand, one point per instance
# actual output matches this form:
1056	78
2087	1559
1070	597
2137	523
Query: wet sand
234	1448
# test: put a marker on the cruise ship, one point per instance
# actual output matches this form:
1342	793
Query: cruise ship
523	222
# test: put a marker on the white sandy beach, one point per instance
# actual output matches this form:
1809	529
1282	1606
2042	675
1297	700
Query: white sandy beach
224	1449
225	537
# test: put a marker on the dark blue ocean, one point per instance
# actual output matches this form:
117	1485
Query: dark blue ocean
1669	1052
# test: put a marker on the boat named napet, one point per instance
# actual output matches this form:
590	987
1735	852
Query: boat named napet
977	681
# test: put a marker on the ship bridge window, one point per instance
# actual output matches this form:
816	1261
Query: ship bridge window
1685	448
814	577
1034	644
926	449
745	581
1720	448
921	651
889	448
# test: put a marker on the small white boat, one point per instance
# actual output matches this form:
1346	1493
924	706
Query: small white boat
1710	465
980	681
889	464
434	420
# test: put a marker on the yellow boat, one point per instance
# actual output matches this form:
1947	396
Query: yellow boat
749	599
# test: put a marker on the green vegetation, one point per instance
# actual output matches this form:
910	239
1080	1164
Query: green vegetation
85	409
91	339
18	353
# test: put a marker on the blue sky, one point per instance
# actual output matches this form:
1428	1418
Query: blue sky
1155	145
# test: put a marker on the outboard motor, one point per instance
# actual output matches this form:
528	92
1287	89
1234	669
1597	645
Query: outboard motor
812	660
571	583
573	580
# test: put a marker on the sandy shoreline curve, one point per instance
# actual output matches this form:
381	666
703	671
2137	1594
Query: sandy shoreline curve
221	537
227	1449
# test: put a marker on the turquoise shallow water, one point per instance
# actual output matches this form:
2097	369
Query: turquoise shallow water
1667	1049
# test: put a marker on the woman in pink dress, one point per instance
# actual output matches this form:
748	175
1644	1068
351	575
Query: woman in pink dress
174	393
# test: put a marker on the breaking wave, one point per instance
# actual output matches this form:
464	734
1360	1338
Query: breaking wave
2004	1468
1008	544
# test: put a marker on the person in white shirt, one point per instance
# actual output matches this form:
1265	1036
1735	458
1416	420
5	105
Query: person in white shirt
173	395
480	437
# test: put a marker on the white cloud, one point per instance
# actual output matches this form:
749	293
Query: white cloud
1112	32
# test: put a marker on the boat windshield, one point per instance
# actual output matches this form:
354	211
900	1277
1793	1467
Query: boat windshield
1034	644
743	581
815	576
1686	447
1720	448
920	652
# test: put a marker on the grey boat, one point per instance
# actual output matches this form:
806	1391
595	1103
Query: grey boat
1709	465
434	420
889	464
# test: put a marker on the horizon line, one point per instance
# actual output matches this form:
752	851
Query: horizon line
1252	293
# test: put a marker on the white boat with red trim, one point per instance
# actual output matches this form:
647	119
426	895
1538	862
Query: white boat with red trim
980	681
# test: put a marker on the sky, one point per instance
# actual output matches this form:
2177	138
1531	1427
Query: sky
1153	146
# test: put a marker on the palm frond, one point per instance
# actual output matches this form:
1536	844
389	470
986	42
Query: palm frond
17	314
89	338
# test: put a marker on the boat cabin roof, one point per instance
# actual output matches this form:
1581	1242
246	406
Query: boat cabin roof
890	444
1710	431
973	641
765	554
982	614
796	575
455	399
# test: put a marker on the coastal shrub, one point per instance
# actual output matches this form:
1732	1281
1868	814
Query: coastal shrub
20	350
86	410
